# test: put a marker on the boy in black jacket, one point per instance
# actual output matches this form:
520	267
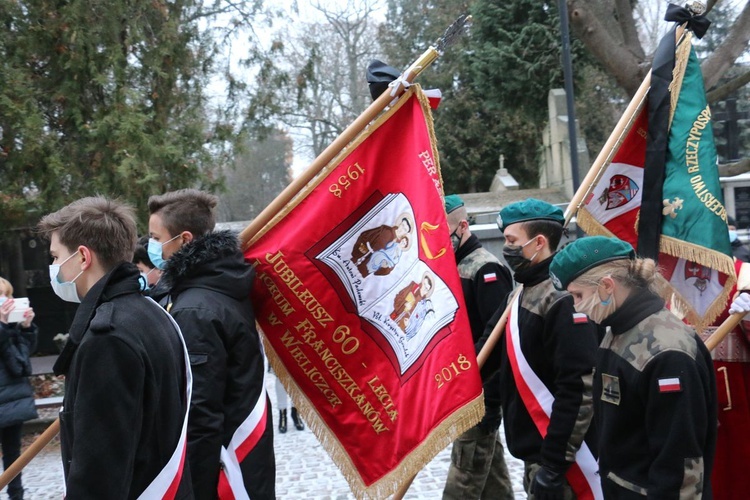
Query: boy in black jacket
546	360
127	376
209	286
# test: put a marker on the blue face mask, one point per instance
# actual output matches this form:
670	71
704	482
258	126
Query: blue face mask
66	290
155	252
732	236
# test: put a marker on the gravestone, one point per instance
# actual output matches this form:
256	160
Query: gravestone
556	169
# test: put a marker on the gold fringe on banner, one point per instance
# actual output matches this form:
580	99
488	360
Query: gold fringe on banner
427	110
682	250
681	56
705	257
590	225
454	425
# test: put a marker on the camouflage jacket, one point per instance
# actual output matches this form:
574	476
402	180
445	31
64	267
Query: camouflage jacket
485	282
655	405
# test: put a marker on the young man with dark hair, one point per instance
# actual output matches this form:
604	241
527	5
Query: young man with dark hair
478	468
230	433
546	360
124	413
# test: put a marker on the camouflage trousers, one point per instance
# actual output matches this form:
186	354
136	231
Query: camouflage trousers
529	472
478	468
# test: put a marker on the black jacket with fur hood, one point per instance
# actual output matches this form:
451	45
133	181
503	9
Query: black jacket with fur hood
209	297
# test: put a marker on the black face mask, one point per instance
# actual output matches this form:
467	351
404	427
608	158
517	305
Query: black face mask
455	241
514	256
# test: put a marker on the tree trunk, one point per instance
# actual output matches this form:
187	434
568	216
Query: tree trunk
618	59
717	64
733	169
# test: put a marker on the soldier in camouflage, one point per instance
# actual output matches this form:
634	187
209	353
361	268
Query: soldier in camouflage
558	351
654	389
478	468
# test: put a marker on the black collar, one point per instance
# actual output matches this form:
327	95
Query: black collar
121	280
534	274
469	246
637	307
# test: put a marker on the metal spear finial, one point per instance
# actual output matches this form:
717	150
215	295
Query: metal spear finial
696	7
452	33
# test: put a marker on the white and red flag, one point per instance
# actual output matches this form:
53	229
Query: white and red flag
359	300
661	191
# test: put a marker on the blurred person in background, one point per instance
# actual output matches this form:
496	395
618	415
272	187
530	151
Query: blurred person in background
17	342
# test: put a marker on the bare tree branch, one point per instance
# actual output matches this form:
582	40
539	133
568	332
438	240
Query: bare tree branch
618	59
626	21
717	64
721	93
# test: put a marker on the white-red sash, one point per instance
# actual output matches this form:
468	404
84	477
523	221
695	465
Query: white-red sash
583	475
167	482
247	435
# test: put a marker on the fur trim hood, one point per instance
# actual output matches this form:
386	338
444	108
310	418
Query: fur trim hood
213	261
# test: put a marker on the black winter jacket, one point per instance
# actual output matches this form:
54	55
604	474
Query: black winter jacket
16	394
655	405
209	298
561	353
124	402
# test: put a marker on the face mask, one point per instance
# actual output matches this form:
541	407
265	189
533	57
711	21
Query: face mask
455	241
2	300
143	280
514	256
65	290
596	308
732	236
155	252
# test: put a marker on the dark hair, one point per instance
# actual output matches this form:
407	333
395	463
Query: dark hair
551	230
140	256
105	226
408	224
185	210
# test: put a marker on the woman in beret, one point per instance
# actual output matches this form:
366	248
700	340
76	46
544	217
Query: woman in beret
654	396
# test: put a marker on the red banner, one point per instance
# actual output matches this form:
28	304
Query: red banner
612	208
359	298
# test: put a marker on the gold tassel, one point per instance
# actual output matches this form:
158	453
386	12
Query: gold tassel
443	435
681	56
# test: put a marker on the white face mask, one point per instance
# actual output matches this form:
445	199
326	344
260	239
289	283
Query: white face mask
65	290
596	308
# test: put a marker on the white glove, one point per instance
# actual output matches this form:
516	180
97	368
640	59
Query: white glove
741	305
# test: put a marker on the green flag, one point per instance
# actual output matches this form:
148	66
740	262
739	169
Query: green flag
694	248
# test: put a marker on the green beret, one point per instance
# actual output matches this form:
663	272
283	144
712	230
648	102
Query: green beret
452	202
585	254
529	209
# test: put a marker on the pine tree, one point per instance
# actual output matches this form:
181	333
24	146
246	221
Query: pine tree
104	97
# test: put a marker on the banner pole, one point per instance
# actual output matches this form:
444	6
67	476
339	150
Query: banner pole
32	451
357	126
609	149
497	332
727	326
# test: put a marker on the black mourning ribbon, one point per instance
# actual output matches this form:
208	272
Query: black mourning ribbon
697	24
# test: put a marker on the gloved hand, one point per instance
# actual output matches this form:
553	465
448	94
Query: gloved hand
548	485
741	304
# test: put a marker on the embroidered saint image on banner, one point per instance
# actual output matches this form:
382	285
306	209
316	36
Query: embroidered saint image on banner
375	263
